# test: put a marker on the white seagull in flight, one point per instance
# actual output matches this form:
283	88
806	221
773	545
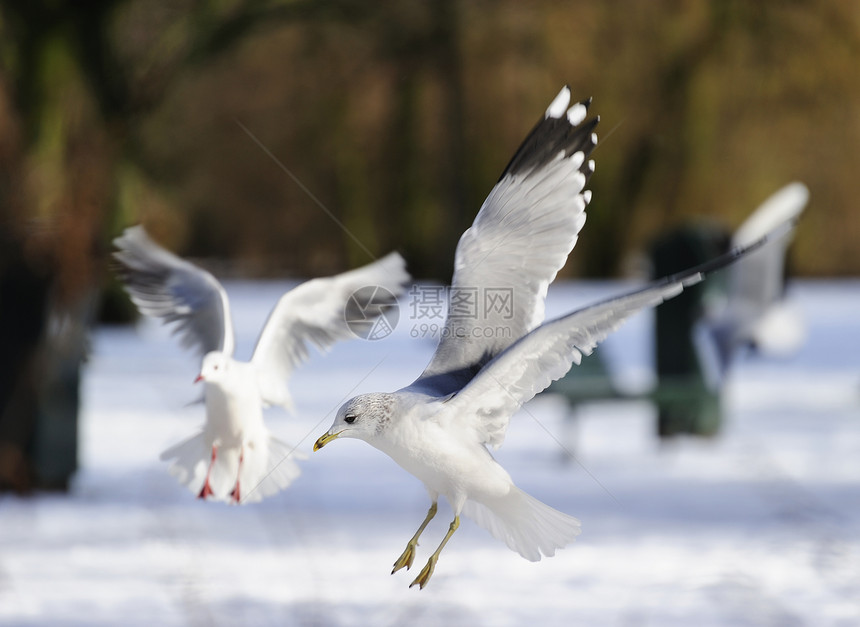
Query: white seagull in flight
439	427
755	312
234	458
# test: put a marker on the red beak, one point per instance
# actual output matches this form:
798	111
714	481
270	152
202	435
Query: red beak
199	378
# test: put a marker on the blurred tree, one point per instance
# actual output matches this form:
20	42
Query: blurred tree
399	117
71	93
58	99
719	103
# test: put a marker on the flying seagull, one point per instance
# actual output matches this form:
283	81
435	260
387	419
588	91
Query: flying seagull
754	313
234	452
439	427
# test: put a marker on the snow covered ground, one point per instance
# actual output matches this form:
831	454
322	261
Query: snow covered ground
760	526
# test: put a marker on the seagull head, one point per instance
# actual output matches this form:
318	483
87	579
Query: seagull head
363	417
215	368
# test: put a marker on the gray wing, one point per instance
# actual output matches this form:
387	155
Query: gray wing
316	312
757	280
755	284
485	405
164	286
519	240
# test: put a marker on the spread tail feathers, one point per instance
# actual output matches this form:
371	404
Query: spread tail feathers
271	472
264	470
526	525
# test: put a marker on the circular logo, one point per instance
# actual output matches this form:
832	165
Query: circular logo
371	312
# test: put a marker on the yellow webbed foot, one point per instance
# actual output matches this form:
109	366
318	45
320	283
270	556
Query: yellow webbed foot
425	574
408	554
406	557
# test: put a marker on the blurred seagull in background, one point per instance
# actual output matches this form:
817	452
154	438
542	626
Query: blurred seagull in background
486	366
754	312
234	458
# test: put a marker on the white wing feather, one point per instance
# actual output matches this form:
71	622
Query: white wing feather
520	238
757	281
164	286
528	366
544	355
313	314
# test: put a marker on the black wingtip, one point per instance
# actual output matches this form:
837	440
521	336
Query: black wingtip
553	135
733	255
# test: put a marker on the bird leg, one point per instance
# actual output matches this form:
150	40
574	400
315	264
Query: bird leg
408	554
236	494
207	489
424	576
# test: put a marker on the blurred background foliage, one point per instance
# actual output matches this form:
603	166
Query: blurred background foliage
398	116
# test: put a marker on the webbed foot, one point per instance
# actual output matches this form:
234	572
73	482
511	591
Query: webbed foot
406	557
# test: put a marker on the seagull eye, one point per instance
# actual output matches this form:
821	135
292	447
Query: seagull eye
349	418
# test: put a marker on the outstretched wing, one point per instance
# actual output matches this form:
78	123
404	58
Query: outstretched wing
164	286
321	312
519	240
757	281
527	367
756	284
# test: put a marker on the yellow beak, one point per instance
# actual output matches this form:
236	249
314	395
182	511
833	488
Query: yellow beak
325	439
